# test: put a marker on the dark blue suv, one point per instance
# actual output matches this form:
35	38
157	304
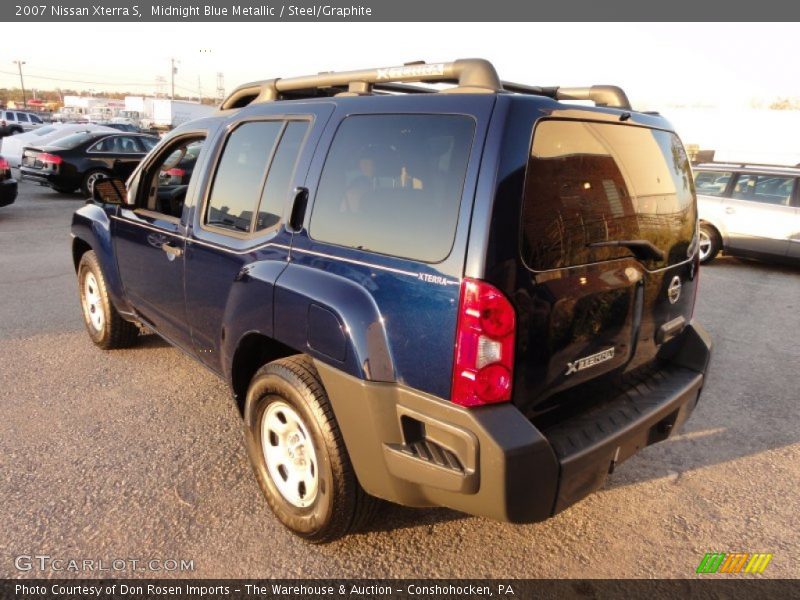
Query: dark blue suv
477	296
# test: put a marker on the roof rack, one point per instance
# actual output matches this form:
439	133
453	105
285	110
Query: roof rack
471	75
601	95
744	165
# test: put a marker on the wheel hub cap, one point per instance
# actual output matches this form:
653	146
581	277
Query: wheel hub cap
92	304
289	453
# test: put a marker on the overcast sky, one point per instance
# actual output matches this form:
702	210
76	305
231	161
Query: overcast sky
657	64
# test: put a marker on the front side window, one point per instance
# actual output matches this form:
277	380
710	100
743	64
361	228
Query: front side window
769	189
148	143
167	178
392	184
712	183
36	119
592	185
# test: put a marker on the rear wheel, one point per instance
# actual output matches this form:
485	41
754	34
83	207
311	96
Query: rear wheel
298	454
104	324
90	179
710	243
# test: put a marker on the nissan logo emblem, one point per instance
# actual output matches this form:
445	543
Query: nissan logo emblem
674	290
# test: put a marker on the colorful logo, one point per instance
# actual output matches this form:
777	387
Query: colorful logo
740	562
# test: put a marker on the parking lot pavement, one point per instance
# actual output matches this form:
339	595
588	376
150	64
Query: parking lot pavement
138	453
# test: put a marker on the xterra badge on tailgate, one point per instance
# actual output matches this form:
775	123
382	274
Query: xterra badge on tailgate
590	361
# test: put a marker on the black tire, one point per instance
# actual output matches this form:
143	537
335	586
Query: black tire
710	239
113	331
16	130
89	177
340	505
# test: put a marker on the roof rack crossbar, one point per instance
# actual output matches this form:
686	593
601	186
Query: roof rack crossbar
601	95
470	74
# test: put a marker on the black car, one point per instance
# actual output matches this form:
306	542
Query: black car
78	160
8	185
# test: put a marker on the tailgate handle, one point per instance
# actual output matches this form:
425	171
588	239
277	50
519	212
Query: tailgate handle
670	329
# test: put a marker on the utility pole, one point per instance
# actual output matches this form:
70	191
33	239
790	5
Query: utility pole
19	64
220	87
173	70
199	90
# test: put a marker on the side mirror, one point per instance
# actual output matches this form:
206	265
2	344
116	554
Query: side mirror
110	190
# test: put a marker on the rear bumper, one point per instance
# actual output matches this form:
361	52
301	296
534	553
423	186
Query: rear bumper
37	175
418	450
8	192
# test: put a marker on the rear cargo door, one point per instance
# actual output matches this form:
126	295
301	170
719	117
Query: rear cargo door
608	238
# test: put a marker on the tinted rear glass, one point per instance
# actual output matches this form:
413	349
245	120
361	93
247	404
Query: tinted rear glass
74	140
591	183
392	184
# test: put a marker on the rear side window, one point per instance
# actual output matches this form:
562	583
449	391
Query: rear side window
712	183
253	175
590	184
276	189
769	189
392	184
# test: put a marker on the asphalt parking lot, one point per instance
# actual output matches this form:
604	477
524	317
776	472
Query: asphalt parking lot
139	454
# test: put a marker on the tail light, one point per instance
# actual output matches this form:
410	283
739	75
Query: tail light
51	159
5	168
484	355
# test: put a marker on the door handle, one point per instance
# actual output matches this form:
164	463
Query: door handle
171	251
730	210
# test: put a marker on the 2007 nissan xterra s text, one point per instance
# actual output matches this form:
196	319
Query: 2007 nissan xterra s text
477	296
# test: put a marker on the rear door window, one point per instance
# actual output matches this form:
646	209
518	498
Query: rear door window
591	184
392	184
768	189
22	117
251	185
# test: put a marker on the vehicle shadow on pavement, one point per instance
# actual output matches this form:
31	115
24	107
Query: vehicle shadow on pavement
749	402
393	517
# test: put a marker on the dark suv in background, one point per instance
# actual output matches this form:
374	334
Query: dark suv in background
477	297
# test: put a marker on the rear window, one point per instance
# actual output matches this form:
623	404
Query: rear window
589	183
43	131
73	140
392	184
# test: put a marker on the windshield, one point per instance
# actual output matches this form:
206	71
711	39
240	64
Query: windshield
590	183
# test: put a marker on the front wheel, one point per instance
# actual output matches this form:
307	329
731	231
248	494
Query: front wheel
104	324
298	454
